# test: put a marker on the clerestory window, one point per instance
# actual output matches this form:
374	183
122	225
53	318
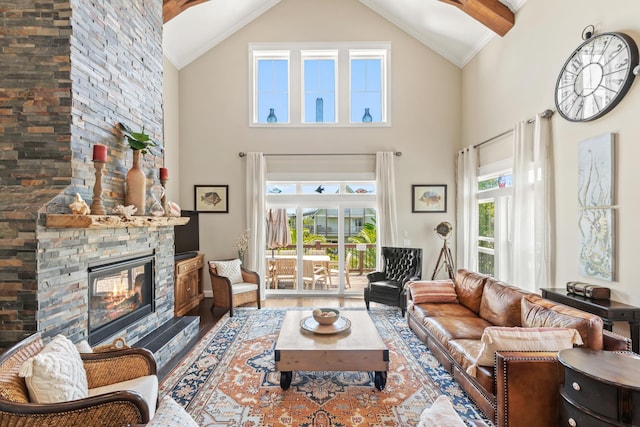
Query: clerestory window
319	84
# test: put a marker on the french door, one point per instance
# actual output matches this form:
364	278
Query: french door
333	245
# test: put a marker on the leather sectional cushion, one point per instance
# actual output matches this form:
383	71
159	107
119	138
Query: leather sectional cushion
469	287
538	312
438	310
500	303
464	351
446	328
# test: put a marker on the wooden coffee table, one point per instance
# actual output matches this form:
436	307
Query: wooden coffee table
359	348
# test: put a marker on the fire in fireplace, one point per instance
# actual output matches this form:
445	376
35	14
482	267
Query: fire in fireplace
120	293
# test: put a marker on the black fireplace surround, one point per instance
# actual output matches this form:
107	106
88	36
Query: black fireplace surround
120	293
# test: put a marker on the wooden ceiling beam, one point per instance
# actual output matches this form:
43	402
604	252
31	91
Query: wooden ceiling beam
173	8
491	13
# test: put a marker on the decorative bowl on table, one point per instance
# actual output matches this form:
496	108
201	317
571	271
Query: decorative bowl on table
326	316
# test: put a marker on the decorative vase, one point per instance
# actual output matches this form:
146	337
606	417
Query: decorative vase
367	116
136	184
271	118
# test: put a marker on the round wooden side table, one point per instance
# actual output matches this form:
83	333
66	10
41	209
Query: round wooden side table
601	388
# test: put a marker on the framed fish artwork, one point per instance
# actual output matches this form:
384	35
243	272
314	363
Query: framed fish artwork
428	198
211	198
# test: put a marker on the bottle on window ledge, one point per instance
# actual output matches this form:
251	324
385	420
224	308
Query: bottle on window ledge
367	116
271	118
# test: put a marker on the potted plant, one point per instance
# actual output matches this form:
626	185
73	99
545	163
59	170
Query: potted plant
136	180
138	141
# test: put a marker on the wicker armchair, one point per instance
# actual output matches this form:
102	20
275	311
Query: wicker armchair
116	408
229	295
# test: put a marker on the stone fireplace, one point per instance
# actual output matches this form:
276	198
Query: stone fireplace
120	293
73	70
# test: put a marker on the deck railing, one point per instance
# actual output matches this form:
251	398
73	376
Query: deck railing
363	258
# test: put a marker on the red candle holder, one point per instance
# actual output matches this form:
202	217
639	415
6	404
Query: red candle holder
96	206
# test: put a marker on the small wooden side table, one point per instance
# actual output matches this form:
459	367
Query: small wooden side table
610	311
601	388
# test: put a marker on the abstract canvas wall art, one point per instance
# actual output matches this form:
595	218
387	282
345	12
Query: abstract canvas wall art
596	214
595	171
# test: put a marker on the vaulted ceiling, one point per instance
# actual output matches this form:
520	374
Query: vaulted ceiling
456	29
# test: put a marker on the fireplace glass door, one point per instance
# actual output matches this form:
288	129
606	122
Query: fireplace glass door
119	294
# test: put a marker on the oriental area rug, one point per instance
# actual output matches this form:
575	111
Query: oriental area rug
229	379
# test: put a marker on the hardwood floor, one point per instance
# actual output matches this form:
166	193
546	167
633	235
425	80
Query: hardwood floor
208	318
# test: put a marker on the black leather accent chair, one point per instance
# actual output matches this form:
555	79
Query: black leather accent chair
387	287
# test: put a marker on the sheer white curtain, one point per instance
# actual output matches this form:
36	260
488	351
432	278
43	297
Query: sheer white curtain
532	232
387	221
256	222
467	209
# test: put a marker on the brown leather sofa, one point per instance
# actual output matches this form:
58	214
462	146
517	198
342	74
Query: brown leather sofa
522	388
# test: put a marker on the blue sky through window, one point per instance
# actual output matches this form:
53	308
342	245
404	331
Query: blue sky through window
273	89
366	89
319	91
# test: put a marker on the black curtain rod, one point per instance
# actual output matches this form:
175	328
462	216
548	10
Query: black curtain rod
396	153
545	115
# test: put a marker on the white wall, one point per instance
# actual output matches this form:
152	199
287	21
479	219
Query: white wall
513	78
171	110
214	112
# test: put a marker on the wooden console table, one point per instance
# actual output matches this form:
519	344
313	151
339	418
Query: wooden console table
188	284
610	311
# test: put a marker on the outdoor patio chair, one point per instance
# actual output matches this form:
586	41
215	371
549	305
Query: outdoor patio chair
334	269
313	271
284	270
387	287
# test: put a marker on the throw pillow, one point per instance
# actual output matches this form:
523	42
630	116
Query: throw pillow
440	414
438	291
169	413
499	338
56	374
84	347
229	269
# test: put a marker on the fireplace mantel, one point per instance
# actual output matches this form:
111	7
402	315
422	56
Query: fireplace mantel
110	221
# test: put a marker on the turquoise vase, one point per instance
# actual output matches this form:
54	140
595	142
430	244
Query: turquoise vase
271	118
367	116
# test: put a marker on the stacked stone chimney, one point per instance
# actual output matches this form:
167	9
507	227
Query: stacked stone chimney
71	70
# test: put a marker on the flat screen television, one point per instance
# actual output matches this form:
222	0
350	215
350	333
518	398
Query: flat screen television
187	237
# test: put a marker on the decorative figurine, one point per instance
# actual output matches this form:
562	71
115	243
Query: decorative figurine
173	209
79	206
125	211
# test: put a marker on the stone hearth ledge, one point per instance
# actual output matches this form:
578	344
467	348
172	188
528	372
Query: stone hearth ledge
110	221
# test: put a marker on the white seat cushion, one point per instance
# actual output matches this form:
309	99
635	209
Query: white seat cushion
147	386
170	413
240	288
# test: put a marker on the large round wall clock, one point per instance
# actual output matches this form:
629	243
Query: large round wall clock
596	77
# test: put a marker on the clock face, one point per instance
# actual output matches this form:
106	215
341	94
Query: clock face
596	77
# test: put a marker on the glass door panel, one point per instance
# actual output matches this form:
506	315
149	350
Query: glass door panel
319	243
359	250
281	256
